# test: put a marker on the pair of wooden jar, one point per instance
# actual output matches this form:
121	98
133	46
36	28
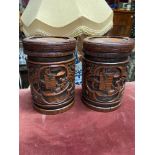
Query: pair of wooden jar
51	71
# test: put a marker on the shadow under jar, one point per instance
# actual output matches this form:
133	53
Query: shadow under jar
105	71
51	72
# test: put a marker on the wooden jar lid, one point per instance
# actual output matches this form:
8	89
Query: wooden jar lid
99	46
49	46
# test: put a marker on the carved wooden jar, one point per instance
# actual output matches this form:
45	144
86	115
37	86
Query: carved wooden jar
51	72
104	71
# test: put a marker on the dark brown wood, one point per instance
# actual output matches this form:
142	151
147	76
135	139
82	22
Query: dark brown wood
51	72
105	71
122	23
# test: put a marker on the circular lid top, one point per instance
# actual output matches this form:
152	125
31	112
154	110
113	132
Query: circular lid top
49	44
47	40
108	44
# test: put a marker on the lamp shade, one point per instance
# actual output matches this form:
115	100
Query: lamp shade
67	18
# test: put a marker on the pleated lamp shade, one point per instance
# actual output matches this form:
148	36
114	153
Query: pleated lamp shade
67	17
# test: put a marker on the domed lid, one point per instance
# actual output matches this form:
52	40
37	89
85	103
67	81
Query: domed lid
48	46
101	45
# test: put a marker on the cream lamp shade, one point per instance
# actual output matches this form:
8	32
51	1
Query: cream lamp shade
67	17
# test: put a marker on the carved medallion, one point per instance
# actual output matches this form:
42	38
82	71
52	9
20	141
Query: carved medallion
51	84
103	84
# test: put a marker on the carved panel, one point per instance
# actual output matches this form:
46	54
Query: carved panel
102	83
51	83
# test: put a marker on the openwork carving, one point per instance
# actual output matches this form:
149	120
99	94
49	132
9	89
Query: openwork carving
51	84
103	84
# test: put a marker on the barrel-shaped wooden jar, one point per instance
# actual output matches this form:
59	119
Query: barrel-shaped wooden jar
51	72
104	71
